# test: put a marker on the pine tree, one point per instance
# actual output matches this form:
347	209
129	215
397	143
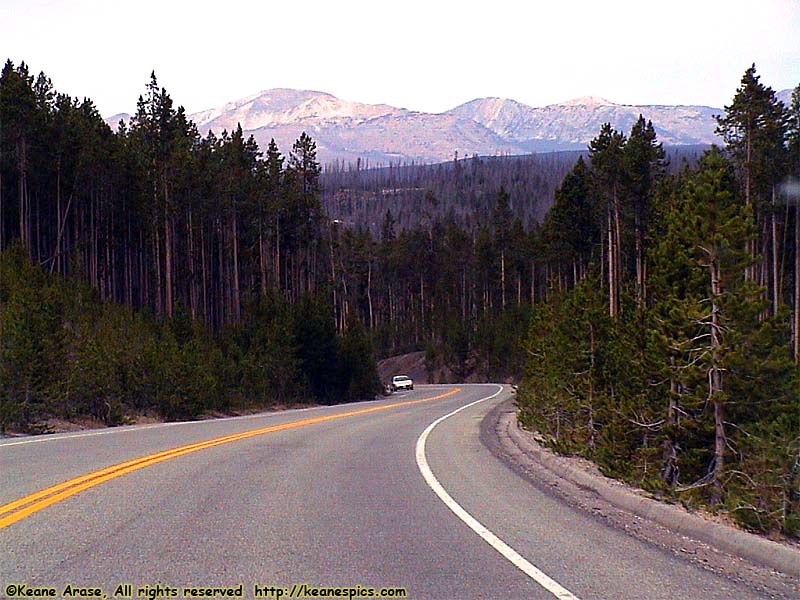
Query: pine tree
717	229
643	159
501	220
792	194
606	153
571	224
358	370
754	131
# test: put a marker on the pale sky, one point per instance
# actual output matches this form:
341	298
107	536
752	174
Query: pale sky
424	55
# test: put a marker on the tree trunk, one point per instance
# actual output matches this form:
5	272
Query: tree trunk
168	301
776	290
715	393
640	297
369	294
192	275
334	284
669	472
157	254
617	254
503	278
277	262
236	305
611	270
262	260
796	315
21	190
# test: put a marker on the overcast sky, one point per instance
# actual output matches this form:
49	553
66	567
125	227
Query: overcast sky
426	55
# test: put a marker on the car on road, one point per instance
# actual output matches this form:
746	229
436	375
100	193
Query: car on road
401	382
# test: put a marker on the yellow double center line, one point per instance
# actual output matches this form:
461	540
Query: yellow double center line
19	509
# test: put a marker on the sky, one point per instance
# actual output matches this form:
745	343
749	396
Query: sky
426	55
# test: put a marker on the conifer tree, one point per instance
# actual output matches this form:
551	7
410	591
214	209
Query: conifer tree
606	159
643	160
717	229
754	131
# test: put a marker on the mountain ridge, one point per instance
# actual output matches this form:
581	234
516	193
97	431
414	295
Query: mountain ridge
347	130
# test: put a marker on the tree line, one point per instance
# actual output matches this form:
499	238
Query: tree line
465	188
671	355
652	310
152	269
215	259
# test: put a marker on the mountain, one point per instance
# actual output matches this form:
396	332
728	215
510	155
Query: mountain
572	124
277	107
347	131
113	120
375	134
785	96
380	134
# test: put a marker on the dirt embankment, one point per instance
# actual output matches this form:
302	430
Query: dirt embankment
413	365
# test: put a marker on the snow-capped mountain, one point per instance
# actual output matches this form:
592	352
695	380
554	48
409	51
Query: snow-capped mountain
785	96
273	108
113	120
345	130
574	123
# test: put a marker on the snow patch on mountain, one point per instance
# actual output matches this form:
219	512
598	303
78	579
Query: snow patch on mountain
346	130
272	108
586	101
575	122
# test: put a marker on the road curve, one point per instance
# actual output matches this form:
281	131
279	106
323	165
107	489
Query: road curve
329	496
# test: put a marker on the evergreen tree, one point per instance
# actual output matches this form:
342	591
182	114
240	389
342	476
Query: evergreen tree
606	159
754	130
644	162
358	370
572	222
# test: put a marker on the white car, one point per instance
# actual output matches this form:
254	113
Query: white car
401	382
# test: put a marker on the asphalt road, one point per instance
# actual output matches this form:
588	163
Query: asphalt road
327	502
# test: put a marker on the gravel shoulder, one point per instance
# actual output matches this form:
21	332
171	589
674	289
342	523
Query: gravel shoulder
770	567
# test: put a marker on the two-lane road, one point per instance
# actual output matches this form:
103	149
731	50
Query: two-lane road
329	496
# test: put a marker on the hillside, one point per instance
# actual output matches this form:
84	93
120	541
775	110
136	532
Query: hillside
379	134
570	125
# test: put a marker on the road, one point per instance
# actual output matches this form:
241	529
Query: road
327	496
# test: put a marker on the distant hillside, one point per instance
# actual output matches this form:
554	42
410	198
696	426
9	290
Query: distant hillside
113	120
348	131
465	189
379	134
785	96
573	124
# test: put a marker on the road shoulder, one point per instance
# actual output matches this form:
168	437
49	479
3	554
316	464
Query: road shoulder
766	565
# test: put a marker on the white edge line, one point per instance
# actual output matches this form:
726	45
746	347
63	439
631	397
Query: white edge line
495	542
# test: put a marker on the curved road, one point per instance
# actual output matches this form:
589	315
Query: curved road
329	496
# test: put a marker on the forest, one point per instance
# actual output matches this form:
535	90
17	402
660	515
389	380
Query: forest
148	270
152	270
648	303
464	190
670	355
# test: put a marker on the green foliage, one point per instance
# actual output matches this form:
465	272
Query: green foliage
150	270
315	332
754	129
31	338
690	390
66	353
358	370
